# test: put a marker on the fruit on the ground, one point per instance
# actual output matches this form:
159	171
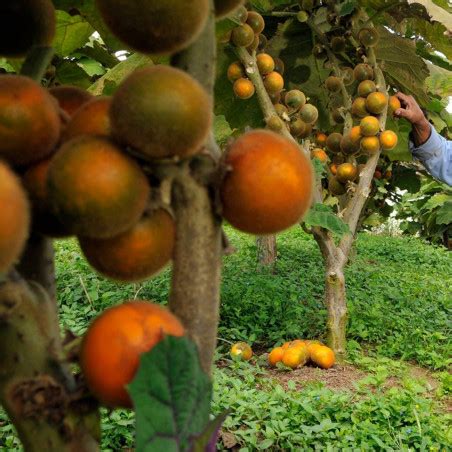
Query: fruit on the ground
337	44
274	82
242	36
225	7
14	218
295	357
333	83
393	104
333	142
243	88
279	66
320	139
309	113
359	107
241	350
269	185
235	71
388	140
111	348
313	345
136	254
323	356
29	121
91	119
24	24
70	98
368	37
366	87
333	168
256	22
44	219
295	99
275	123
155	26
369	126
319	154
95	189
362	72
376	102
294	343
348	145
161	112
370	144
275	356
297	127
346	172
355	134
335	187
265	63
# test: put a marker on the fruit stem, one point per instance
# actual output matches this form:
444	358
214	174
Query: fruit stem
36	63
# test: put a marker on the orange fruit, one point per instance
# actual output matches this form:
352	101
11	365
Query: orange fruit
355	134
136	254
95	189
265	63
235	71
294	357
294	343
70	98
243	88
366	87
24	24
359	107
275	356
313	345
388	140
274	82
14	218
155	26
320	139
111	348
393	104
29	121
319	154
90	119
346	172
369	126
161	112
225	7
241	350
323	356
370	144
376	102
257	199
255	21
242	36
333	168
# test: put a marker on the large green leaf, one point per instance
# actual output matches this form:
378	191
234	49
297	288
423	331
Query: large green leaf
171	395
324	217
444	214
439	82
405	179
222	130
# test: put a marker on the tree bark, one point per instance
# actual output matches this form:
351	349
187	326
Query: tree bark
266	252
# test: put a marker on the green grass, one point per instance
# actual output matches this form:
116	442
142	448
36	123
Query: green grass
399	301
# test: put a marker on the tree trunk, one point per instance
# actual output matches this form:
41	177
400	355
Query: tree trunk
266	252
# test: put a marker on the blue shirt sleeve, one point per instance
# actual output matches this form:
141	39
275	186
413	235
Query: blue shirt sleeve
436	155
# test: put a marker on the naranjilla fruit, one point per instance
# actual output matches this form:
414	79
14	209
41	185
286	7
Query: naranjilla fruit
255	21
225	7
260	201
275	356
70	98
265	63
320	139
333	142
309	113
242	36
295	356
243	88
376	102
111	348
241	350
393	104
319	154
346	172
274	82
366	87
235	71
388	140
368	37
370	144
323	356
369	126
359	107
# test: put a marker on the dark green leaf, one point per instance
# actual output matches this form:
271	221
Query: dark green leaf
323	216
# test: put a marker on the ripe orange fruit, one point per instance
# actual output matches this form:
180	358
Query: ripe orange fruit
70	98
309	113
96	190
257	199
155	26
359	107
370	144
136	254
346	172
29	122
312	346
333	142
242	36
256	22
14	218
388	140
366	87
235	71
274	82
319	154
275	356
333	83
369	126
394	104
265	63
24	24
376	102
294	343
161	112
295	356
323	356
243	88
44	219
295	99
91	119
320	139
241	350
224	7
111	348
333	168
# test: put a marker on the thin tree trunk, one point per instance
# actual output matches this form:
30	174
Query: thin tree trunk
266	252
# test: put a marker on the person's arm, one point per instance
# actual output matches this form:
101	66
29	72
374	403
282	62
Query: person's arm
434	151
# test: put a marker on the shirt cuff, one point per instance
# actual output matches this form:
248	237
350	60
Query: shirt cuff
430	149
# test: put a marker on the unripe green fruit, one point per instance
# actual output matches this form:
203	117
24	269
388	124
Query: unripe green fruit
319	51
333	83
295	99
338	44
275	123
363	72
335	187
302	16
225	7
333	142
297	127
368	37
309	114
242	36
256	22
